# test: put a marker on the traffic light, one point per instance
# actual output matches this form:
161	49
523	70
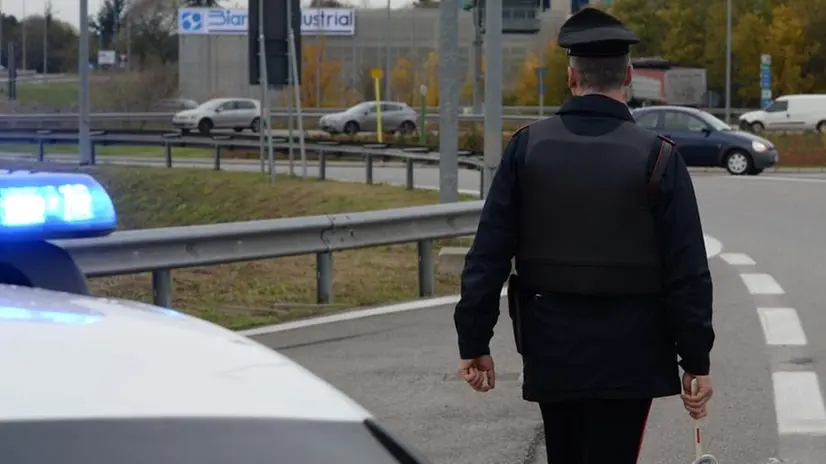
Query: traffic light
276	40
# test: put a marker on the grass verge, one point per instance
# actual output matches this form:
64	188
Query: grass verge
178	153
54	94
268	291
111	150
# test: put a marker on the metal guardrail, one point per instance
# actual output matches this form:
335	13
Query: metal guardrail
325	150
150	117
160	251
507	110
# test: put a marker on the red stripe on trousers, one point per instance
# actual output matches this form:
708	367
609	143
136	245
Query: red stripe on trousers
642	433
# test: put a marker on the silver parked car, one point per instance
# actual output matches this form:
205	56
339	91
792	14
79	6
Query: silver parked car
220	113
395	117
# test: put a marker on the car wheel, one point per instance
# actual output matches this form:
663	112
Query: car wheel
407	128
821	127
352	128
255	126
205	126
738	163
757	127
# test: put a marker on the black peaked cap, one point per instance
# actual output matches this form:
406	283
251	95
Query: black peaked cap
594	33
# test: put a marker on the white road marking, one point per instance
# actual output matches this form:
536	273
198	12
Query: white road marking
358	314
738	259
798	403
713	246
781	327
762	284
784	179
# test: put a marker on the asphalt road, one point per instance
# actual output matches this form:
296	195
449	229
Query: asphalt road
768	402
768	364
402	368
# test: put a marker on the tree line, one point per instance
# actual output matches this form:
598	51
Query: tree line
689	33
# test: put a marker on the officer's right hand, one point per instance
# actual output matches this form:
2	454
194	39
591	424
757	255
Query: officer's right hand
695	402
479	373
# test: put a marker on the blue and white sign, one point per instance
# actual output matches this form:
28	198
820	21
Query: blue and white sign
765	80
314	21
212	21
328	21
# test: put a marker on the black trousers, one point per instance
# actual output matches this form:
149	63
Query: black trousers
595	431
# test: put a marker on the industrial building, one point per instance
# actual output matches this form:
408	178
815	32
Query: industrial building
213	65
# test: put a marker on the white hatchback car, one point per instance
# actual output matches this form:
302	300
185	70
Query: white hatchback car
220	113
100	381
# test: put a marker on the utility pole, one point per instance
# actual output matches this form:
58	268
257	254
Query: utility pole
1	32
493	90
47	12
84	141
296	89
387	26
129	39
449	90
116	4
728	61
23	38
478	88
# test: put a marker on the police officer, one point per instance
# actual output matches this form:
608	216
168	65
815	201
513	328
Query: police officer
613	290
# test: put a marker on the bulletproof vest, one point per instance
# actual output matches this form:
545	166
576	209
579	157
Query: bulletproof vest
585	222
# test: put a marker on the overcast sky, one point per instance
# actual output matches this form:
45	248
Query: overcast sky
69	10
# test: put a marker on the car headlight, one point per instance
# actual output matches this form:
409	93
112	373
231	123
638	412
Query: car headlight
759	147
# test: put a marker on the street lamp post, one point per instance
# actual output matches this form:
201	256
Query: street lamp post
84	142
728	61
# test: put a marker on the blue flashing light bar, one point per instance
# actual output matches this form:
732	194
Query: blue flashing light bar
50	206
51	317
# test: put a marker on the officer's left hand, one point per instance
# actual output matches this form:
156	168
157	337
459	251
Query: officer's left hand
478	373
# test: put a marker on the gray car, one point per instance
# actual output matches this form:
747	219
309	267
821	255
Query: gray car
395	117
220	113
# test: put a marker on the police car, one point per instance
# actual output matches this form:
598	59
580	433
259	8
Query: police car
86	380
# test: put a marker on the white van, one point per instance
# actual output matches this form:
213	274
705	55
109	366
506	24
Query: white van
789	113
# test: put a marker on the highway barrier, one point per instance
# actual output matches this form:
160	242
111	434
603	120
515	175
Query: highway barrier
160	251
323	150
50	119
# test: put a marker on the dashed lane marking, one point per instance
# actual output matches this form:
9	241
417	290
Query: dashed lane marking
762	284
782	327
737	259
798	404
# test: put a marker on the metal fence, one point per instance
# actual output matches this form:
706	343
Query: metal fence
42	120
324	151
160	251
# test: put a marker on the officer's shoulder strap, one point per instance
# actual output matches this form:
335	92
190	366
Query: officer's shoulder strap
663	157
520	130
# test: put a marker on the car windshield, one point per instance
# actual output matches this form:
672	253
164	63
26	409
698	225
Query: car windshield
211	104
360	107
714	121
191	441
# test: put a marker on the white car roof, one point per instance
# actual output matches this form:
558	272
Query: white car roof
69	356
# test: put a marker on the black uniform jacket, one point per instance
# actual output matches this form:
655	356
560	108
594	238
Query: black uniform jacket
593	347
